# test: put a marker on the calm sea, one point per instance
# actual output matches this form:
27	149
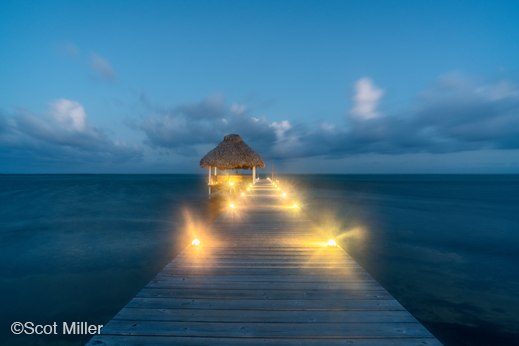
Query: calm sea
79	247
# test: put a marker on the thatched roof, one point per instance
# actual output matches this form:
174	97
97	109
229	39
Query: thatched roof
232	153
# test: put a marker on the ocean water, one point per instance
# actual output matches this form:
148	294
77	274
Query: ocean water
445	246
79	247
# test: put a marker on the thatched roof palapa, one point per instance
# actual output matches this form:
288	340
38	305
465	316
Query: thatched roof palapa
232	153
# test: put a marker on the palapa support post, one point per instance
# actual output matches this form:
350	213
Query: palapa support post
209	181
254	175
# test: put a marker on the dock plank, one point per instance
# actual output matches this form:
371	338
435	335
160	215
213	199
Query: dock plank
137	340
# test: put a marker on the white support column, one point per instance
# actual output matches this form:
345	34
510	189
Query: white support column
254	175
209	180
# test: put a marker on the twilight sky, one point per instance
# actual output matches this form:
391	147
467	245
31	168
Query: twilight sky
312	86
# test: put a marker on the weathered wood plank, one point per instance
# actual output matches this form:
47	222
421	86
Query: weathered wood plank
215	329
264	294
211	257
265	261
264	316
137	340
257	279
237	285
255	304
267	278
344	271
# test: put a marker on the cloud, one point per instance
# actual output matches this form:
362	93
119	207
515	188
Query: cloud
455	114
238	109
205	122
102	67
63	132
366	99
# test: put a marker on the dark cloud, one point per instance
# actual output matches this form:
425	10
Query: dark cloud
206	122
62	134
454	115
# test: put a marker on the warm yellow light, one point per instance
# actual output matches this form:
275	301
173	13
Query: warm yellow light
232	205
195	242
250	185
248	189
332	242
243	194
284	195
295	205
279	188
230	183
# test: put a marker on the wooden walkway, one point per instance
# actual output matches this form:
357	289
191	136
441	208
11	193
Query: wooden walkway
263	275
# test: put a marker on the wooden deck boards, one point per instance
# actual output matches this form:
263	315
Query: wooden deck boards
263	276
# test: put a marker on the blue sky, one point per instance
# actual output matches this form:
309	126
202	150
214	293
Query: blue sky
313	86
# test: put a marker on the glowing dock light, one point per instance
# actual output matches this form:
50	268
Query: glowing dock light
284	195
295	205
248	189
279	188
230	184
332	242
232	205
195	242
243	194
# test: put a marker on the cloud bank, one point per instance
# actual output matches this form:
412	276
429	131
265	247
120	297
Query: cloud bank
64	133
455	114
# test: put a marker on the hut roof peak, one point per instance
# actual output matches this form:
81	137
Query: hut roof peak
232	138
232	153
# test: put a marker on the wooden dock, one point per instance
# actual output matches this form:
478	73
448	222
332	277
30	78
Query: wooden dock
263	275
